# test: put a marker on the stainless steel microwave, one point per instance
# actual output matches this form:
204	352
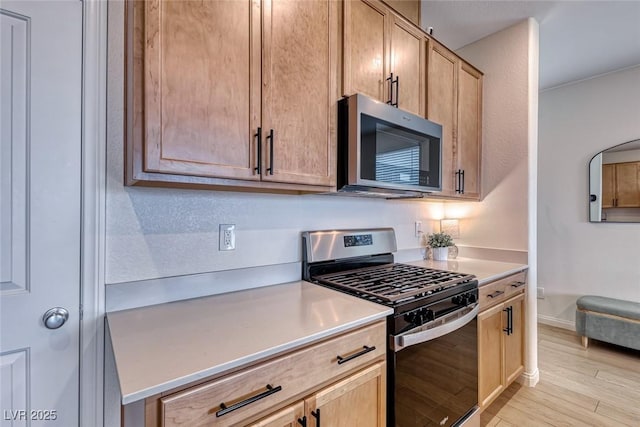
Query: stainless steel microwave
387	152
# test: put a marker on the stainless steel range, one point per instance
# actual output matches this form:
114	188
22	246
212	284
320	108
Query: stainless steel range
432	354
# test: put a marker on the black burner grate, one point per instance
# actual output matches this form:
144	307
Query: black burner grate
394	282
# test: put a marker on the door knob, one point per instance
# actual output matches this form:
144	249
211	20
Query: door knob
55	317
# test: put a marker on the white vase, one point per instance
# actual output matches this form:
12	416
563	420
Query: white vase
440	254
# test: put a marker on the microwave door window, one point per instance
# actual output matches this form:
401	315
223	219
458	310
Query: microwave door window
393	155
397	158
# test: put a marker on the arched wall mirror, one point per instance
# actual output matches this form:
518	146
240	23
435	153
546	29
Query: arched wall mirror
614	184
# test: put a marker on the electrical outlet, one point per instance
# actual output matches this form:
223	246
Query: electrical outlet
227	237
540	293
418	228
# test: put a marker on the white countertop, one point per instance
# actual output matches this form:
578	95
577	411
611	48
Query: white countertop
484	270
164	346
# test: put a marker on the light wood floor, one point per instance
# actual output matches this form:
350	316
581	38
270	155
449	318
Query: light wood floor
599	386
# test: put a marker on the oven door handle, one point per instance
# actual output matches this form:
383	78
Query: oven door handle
408	339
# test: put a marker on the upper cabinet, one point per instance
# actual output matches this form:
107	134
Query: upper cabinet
243	94
442	106
454	99
468	138
384	56
218	95
299	91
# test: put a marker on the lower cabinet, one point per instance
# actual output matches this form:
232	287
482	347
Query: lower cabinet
340	381
500	338
358	400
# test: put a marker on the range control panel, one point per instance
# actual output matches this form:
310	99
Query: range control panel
358	240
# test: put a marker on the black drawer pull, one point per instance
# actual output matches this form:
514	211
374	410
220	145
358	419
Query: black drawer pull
495	294
517	284
365	350
303	421
224	409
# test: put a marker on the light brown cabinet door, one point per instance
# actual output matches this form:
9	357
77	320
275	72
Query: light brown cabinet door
410	9
490	354
514	342
469	133
287	417
357	401
366	49
408	66
202	87
627	185
608	185
299	91
442	108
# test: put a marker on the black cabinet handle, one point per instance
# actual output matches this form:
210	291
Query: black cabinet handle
270	137
458	182
509	328
517	284
510	320
462	187
506	310
224	409
495	294
397	82
316	415
390	80
365	350
303	421
259	162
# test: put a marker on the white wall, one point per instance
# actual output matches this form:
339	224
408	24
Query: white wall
577	257
500	220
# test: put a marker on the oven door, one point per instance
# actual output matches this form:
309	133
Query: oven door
433	372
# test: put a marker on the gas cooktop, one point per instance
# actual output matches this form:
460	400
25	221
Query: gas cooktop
394	283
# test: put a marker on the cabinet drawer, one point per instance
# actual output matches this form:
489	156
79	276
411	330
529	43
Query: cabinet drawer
258	390
498	291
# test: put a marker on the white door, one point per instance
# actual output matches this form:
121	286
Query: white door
40	147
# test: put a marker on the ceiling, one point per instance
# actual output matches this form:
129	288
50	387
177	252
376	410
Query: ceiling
578	39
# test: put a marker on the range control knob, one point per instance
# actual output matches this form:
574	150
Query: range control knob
457	299
414	318
429	315
472	298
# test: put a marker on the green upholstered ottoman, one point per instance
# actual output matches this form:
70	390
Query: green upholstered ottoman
608	319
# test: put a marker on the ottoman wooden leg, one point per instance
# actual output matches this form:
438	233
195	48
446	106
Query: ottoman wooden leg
585	342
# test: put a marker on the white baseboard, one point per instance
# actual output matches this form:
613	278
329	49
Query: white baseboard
529	379
559	323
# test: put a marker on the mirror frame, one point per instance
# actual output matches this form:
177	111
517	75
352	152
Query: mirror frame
595	185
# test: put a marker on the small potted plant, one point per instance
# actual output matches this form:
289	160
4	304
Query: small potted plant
439	244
